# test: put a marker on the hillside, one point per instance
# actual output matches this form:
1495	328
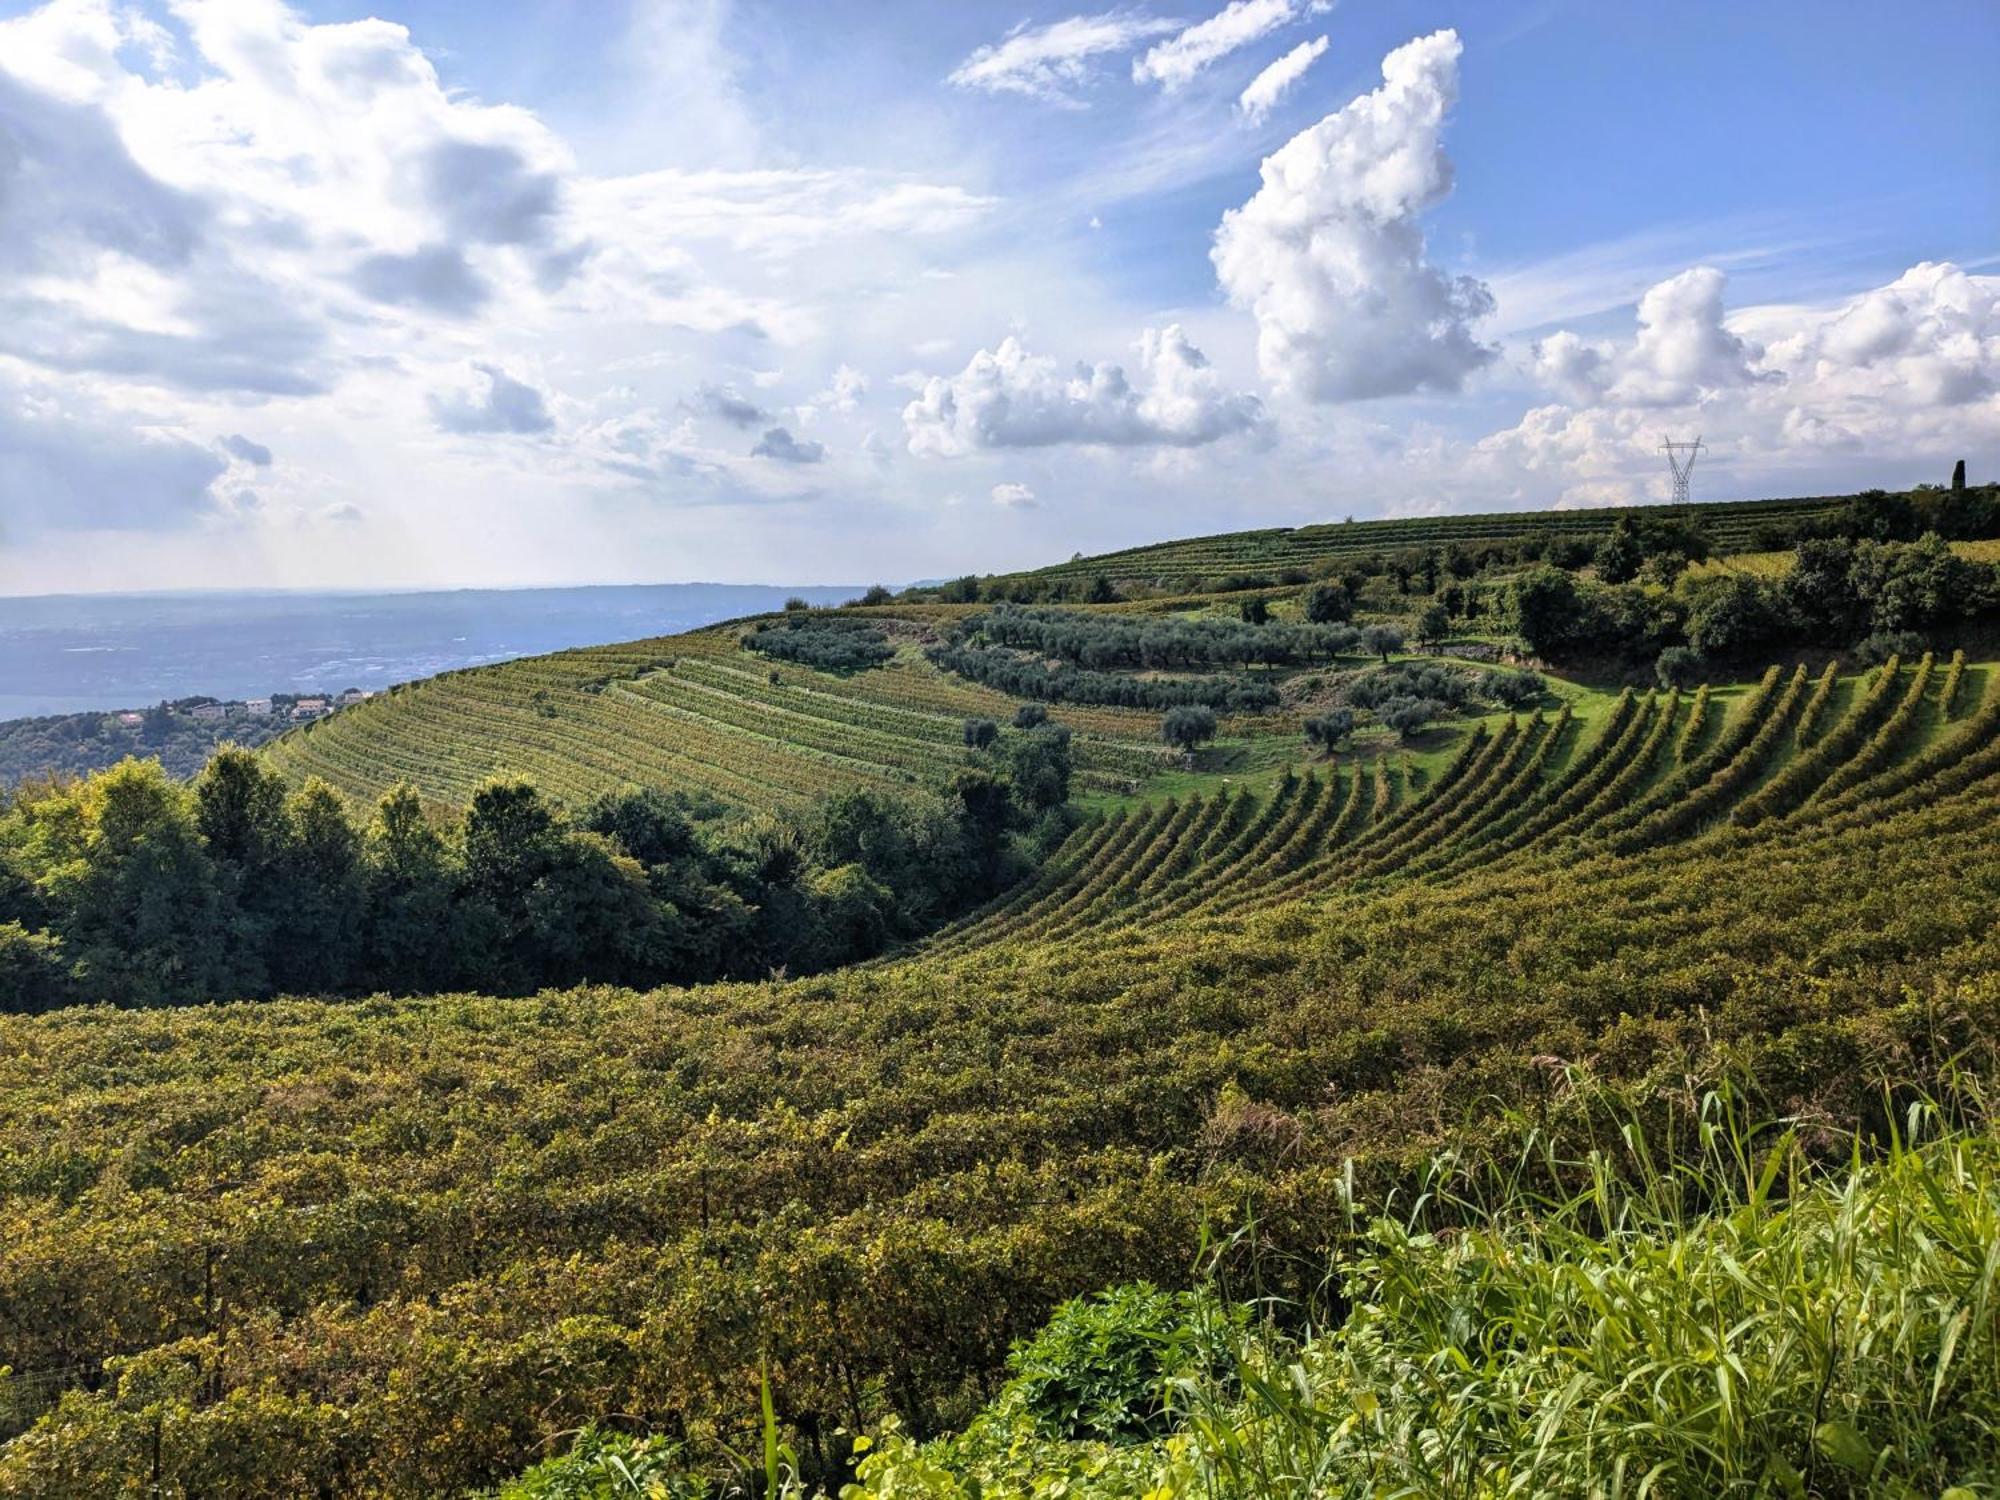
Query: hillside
72	744
696	713
1733	526
282	1219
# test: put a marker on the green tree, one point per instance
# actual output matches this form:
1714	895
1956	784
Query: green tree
134	893
1254	611
1678	667
1188	727
316	941
1328	604
407	879
1619	555
1548	609
1381	640
980	733
1324	732
1433	625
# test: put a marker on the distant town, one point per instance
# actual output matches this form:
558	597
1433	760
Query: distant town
278	705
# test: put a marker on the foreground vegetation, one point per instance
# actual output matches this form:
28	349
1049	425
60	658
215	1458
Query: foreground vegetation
401	1247
1724	1314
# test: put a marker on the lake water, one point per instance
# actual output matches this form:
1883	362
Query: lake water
73	653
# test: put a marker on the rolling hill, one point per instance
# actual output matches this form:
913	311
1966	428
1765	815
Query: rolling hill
1390	1044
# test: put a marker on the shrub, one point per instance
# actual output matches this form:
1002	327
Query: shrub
1101	1366
1884	644
1678	667
979	733
1028	715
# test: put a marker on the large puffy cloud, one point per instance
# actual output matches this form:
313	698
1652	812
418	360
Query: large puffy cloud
1261	95
1176	61
1052	62
1891	377
1329	257
1683	349
1009	398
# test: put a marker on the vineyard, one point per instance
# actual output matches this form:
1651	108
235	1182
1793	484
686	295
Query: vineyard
1739	526
1541	792
694	713
278	1223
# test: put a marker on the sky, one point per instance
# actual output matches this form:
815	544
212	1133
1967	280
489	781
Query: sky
436	293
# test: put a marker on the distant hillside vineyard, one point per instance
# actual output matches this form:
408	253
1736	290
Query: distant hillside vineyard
694	713
1732	526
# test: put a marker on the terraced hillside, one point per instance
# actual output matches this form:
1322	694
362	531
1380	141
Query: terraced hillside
1543	791
404	1246
692	712
1732	526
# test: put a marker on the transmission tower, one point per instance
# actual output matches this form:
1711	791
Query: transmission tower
1680	458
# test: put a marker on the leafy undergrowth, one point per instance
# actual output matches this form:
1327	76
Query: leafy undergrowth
1716	1316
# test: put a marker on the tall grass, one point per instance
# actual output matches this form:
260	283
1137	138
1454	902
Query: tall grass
1727	1319
1724	1311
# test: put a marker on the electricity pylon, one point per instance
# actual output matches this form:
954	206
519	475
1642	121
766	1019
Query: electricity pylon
1680	458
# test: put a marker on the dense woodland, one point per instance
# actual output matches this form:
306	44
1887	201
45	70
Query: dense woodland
129	888
72	744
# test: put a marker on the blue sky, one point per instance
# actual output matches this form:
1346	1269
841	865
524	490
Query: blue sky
421	293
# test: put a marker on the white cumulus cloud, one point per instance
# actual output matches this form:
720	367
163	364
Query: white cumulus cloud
1009	398
1014	496
503	405
1264	91
1329	256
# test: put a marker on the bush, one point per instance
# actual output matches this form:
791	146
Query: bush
1517	689
1028	715
979	733
604	1465
1678	667
1884	644
1101	1366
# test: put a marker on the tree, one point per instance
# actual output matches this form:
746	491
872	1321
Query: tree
980	733
1548	609
1619	555
1028	715
1325	731
1958	477
406	885
1733	618
1038	766
1187	727
1255	611
1433	625
877	594
1101	591
33	977
1678	667
1382	641
316	939
1328	604
795	605
1819	589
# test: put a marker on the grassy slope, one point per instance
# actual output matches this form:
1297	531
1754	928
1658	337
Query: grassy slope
1732	524
534	1212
